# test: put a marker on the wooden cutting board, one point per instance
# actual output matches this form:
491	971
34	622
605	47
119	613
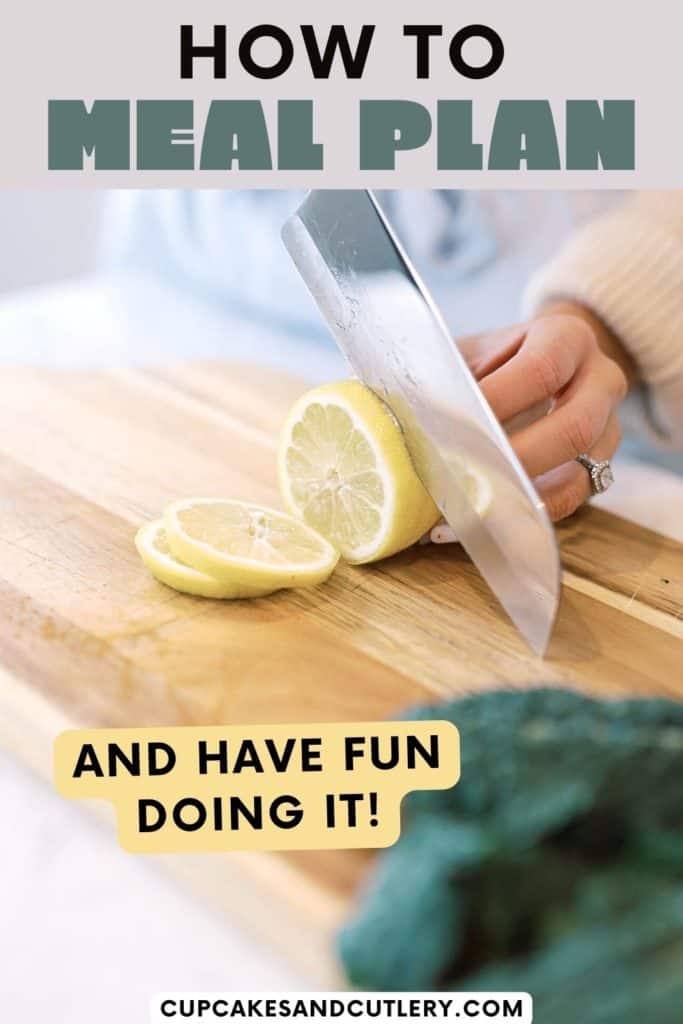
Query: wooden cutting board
87	638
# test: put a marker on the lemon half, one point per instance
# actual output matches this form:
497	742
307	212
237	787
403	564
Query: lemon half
344	468
247	545
152	546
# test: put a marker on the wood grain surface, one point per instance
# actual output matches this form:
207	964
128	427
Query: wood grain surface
87	638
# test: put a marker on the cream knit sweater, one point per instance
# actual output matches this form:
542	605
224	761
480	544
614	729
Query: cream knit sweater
627	267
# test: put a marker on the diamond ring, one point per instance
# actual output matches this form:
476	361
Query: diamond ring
600	473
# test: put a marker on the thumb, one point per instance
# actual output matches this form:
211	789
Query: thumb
442	533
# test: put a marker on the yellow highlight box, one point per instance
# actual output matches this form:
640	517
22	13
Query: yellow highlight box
286	787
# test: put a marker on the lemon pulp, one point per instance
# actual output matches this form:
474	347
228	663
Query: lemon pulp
247	544
152	546
344	468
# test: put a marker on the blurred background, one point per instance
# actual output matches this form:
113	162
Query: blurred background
33	221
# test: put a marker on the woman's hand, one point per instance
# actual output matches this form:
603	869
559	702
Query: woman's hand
556	384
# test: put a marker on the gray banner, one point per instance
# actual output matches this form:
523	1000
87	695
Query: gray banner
127	52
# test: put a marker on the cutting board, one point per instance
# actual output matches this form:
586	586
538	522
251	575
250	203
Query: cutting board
87	638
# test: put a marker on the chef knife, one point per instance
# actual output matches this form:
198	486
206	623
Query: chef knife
397	343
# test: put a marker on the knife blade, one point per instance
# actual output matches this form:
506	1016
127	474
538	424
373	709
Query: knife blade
396	341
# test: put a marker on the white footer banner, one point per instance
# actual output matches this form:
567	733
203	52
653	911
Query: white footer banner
342	1007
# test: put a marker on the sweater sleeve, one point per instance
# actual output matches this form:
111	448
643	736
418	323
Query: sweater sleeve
627	267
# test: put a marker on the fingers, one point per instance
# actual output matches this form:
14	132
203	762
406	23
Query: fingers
484	353
552	351
553	363
577	421
566	487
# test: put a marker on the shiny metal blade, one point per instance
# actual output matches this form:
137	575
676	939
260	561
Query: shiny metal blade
397	343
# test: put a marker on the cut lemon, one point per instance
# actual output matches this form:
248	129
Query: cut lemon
478	492
244	544
475	482
152	545
344	468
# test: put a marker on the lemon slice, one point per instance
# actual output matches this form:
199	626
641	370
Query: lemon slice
475	481
478	490
244	544
344	468
152	545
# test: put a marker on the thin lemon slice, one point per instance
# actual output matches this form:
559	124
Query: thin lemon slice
344	468
152	545
476	482
247	545
478	491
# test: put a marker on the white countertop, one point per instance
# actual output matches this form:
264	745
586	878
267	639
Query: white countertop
89	932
